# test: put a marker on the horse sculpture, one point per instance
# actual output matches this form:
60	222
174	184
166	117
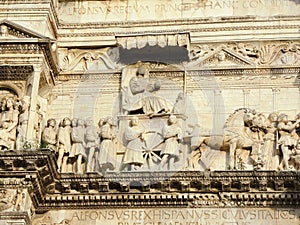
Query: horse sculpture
244	129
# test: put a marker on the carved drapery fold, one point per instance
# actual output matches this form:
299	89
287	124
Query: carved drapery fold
162	40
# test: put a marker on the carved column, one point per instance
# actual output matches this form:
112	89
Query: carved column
219	111
246	93
34	81
275	94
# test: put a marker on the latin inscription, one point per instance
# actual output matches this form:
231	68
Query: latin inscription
158	8
186	216
176	216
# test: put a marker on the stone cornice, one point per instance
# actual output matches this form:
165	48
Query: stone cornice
31	46
206	21
36	171
164	31
202	72
51	9
200	30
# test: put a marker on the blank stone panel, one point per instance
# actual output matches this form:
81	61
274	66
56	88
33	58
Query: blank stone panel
107	104
202	104
61	107
265	100
233	99
84	106
288	101
253	99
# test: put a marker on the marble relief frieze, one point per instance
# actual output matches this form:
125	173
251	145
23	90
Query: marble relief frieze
87	137
137	133
260	54
201	56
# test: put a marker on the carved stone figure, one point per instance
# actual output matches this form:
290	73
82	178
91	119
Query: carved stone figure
135	145
257	129
286	141
173	135
6	199
140	95
6	138
36	137
92	142
180	104
23	122
78	144
49	135
64	144
295	158
100	124
10	114
196	145
18	200
107	151
270	149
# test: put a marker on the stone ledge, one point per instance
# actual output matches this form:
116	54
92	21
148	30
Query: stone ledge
36	171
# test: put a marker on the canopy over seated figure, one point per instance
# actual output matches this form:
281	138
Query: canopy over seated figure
139	95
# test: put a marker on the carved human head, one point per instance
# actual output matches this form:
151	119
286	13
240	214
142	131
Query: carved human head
221	56
109	120
80	122
74	122
25	102
3	104
9	103
273	117
141	71
88	122
283	118
101	122
172	119
67	121
259	120
51	122
134	121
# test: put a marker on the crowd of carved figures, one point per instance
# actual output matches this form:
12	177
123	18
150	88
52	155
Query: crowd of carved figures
80	146
273	143
14	120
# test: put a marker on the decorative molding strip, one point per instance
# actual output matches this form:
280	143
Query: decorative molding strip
36	170
176	22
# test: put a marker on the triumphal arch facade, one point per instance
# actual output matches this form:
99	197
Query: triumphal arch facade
127	112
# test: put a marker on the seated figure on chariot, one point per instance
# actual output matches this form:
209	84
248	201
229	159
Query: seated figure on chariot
139	95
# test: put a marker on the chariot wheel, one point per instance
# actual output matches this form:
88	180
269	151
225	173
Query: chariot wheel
153	146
